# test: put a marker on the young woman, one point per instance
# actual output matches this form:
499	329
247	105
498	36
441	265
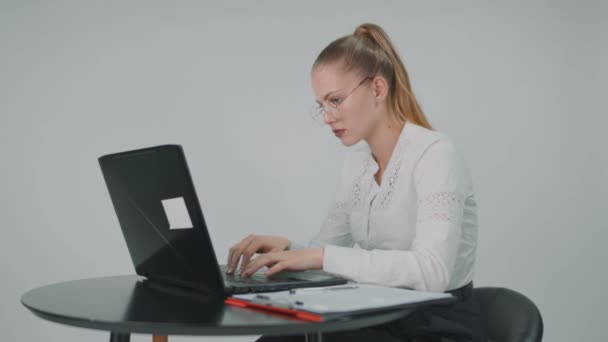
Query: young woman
405	197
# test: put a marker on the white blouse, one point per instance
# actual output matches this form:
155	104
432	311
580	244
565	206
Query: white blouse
417	229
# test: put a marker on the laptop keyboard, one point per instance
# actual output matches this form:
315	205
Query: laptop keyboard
258	278
255	278
258	282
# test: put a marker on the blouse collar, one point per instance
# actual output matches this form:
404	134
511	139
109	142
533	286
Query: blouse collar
397	154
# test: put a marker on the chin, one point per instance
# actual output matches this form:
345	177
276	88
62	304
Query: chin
350	142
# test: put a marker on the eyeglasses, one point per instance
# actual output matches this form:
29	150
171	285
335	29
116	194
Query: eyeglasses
318	111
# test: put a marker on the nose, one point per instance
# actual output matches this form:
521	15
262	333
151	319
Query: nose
328	118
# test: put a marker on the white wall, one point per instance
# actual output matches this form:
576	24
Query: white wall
519	86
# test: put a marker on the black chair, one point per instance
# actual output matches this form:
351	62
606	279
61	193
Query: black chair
508	315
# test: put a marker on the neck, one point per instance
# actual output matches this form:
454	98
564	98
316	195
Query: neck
383	140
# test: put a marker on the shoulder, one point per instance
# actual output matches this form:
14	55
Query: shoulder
421	138
417	143
439	161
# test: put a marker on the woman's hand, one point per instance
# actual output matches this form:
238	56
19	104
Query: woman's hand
251	245
296	260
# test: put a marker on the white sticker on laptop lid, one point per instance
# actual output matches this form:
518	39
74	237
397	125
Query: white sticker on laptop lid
177	213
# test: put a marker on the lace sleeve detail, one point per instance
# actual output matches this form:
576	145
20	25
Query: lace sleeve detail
441	206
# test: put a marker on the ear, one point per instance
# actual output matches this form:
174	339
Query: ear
380	88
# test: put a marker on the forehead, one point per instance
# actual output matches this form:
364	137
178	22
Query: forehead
330	78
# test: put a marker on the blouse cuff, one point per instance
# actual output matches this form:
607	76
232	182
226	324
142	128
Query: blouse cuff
342	261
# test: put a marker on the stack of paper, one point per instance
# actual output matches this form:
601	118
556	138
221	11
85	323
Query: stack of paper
318	304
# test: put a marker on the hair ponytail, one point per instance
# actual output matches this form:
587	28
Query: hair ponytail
369	51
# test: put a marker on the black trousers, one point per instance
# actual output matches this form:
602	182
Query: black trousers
458	322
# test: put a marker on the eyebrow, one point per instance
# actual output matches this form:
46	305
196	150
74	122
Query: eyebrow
328	95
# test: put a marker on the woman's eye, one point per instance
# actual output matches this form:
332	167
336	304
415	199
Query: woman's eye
335	101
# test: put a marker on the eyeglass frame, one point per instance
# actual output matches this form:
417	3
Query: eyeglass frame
319	110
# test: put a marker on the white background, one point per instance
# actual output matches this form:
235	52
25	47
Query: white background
520	86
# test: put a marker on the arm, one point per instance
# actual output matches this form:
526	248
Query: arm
335	230
440	179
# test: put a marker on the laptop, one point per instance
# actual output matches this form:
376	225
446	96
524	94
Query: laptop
165	231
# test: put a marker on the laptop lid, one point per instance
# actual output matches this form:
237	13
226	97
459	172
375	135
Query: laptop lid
160	217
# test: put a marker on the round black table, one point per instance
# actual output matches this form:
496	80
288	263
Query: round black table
131	304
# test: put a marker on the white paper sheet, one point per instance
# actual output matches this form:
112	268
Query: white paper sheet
177	213
334	299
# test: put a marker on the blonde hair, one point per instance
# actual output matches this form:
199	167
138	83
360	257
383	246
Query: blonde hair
370	52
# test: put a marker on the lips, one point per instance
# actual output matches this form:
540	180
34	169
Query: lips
339	132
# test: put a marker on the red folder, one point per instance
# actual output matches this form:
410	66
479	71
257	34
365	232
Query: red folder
303	315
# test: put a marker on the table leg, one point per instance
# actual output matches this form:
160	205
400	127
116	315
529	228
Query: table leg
160	338
313	337
119	337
